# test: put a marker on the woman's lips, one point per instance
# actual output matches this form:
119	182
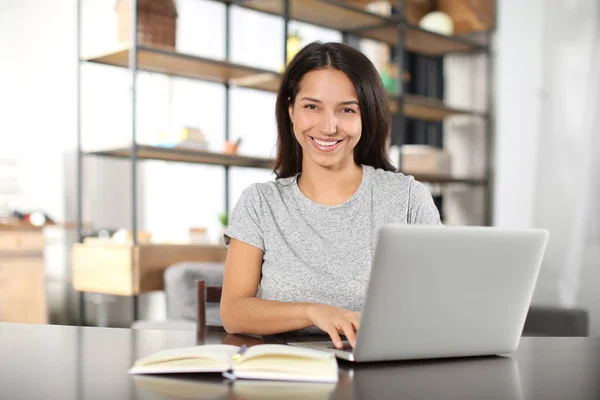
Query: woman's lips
325	145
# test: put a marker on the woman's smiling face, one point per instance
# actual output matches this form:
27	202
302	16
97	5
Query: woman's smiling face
326	118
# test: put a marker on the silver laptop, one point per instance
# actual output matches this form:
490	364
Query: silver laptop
440	291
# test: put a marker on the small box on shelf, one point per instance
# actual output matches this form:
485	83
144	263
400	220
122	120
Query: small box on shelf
199	235
426	160
156	22
188	137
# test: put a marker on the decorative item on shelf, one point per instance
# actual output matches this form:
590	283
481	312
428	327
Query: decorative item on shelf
187	137
389	77
37	219
438	22
104	233
466	15
388	71
124	236
199	235
232	147
428	160
224	220
293	45
469	15
156	23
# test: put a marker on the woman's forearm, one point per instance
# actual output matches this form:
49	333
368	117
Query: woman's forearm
251	315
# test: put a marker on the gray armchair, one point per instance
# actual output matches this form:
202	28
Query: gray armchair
181	293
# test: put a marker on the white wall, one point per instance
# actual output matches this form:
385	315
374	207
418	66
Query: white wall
568	171
543	75
37	98
519	90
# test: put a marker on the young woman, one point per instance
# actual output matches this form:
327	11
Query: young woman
300	247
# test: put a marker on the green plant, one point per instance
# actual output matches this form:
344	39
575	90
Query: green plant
224	219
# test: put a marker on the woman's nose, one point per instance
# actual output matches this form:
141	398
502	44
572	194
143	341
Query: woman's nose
328	124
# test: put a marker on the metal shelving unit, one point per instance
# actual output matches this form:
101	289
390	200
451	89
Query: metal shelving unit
354	23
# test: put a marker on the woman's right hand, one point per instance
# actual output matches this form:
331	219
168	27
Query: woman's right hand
335	320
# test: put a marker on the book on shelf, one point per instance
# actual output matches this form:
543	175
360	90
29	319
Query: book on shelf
263	362
185	138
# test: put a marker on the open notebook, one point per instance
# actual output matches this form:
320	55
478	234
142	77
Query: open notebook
264	361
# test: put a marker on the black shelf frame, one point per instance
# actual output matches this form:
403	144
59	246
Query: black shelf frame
350	36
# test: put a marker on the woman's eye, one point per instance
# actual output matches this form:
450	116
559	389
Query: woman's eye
348	110
311	106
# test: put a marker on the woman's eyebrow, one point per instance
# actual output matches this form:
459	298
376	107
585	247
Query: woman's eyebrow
311	99
347	102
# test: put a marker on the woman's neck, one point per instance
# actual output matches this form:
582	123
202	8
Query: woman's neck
330	187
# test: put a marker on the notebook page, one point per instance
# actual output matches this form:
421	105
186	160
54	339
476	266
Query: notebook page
282	349
281	362
205	358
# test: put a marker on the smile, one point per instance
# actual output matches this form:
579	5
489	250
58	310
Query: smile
325	145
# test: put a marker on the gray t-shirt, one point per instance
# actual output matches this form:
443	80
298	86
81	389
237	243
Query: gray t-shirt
322	254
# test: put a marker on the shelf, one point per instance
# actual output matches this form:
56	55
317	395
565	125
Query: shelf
145	152
184	65
421	41
268	81
330	14
427	108
204	157
334	14
169	62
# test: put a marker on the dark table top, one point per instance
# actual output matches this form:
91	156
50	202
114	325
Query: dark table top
65	362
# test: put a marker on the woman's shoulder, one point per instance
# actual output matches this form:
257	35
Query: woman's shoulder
267	191
389	179
390	184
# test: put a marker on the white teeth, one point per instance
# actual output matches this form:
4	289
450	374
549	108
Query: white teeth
320	142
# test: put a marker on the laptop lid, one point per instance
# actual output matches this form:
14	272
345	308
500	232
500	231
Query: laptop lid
439	291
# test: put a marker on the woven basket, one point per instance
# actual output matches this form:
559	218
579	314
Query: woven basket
157	23
469	15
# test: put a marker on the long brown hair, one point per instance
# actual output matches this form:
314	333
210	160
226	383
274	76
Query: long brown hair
371	149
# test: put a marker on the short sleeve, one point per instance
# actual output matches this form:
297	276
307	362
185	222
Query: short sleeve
421	208
244	222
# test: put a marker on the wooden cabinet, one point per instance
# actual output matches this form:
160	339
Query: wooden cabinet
124	269
22	281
